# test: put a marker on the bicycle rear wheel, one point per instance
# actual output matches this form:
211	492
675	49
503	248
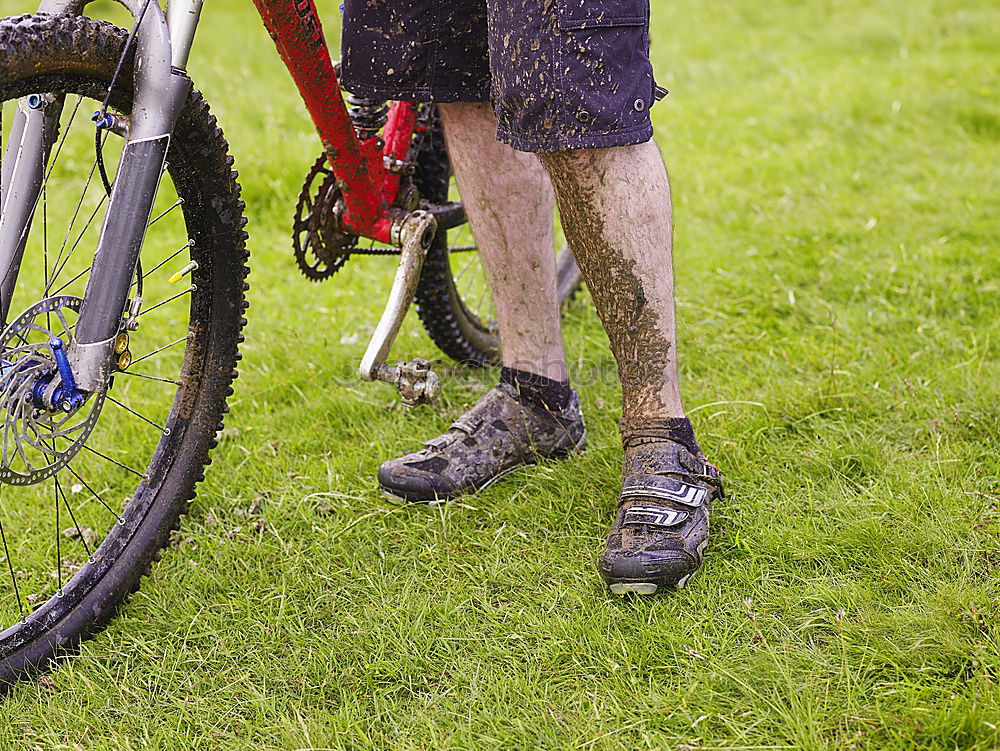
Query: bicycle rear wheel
72	549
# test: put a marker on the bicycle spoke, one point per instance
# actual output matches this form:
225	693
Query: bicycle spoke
20	335
458	242
188	291
25	350
20	438
6	434
45	242
52	431
66	328
172	256
119	517
161	428
144	375
32	425
69	126
71	281
57	272
10	567
79	205
55	428
55	489
83	537
472	278
158	351
479	304
464	270
72	222
114	461
177	203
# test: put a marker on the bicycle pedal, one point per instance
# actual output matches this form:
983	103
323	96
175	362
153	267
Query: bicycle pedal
416	383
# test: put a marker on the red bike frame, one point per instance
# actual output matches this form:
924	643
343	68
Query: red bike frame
368	188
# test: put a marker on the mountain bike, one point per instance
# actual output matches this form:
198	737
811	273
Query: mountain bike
122	295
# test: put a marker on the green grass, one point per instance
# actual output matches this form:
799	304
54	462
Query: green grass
837	192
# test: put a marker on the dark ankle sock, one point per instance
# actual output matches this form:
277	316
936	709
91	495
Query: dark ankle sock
673	428
537	390
681	431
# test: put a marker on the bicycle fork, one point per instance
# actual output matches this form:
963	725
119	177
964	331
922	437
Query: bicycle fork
161	88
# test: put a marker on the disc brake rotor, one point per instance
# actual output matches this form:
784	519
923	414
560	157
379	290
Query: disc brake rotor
321	247
36	443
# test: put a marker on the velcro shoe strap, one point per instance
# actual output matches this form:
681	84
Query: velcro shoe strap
653	516
666	488
467	424
442	441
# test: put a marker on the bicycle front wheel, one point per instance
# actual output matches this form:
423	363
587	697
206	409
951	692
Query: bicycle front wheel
71	549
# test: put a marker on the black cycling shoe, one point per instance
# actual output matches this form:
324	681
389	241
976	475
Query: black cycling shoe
661	529
495	437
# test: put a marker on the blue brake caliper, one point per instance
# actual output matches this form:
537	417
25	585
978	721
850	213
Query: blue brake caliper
66	396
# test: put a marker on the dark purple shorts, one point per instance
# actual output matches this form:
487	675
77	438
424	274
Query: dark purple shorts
561	74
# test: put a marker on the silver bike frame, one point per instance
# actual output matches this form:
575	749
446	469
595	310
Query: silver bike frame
163	43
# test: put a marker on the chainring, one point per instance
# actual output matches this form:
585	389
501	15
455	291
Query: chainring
321	247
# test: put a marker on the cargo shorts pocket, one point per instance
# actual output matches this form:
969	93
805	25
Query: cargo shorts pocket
607	78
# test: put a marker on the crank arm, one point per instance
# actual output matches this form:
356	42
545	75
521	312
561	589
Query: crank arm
416	382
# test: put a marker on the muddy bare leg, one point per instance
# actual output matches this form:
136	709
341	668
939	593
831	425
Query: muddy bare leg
509	202
616	213
615	207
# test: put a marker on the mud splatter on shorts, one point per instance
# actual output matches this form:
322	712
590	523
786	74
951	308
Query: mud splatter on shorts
561	74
